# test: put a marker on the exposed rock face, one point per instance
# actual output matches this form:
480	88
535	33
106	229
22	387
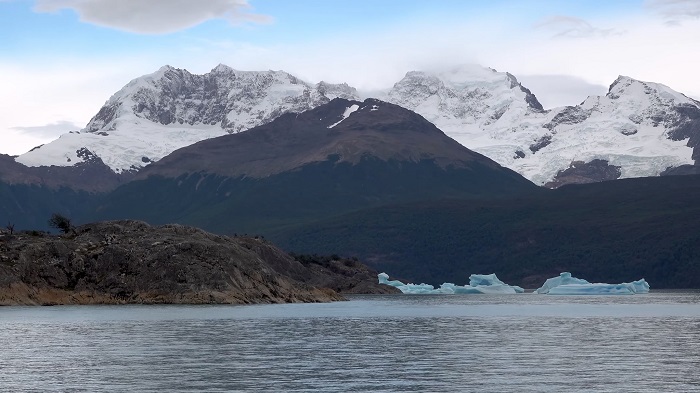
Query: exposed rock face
543	142
585	172
340	274
131	262
685	124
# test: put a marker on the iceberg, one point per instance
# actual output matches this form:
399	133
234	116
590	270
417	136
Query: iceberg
407	288
478	284
566	284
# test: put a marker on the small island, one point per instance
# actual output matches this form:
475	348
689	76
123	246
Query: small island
132	262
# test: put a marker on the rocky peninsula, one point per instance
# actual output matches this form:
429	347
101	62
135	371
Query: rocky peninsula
125	262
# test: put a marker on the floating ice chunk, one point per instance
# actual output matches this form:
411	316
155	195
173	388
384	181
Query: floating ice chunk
478	284
563	279
639	286
490	280
593	289
565	284
384	279
406	288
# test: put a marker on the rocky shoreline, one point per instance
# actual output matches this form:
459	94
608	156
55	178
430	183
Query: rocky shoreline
131	262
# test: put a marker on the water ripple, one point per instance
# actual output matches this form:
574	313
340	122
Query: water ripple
373	343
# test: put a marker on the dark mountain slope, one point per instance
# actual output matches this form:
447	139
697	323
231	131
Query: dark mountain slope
91	175
341	131
339	157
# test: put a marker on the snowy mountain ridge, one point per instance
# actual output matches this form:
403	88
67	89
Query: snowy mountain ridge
158	113
636	129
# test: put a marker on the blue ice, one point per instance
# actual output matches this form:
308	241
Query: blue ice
565	284
478	284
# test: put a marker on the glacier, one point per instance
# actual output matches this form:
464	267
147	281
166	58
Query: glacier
566	284
478	284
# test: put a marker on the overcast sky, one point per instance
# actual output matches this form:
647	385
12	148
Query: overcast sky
60	60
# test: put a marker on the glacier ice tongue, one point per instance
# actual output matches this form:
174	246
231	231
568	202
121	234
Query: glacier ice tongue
566	284
478	284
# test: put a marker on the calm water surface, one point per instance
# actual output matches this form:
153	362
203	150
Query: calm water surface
398	343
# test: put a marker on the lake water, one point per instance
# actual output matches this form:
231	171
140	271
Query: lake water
397	343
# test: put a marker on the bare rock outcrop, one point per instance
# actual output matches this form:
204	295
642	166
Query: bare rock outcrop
123	262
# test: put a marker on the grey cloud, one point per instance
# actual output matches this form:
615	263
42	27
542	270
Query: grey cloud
52	130
154	16
675	11
559	90
563	26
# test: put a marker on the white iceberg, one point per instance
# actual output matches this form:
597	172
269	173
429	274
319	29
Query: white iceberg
478	284
565	284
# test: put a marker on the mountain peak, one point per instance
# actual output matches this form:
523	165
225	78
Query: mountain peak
339	90
158	113
464	100
530	98
161	73
222	69
621	84
643	91
166	68
342	130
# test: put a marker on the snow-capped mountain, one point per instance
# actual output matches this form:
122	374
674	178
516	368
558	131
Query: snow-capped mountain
465	100
637	129
158	113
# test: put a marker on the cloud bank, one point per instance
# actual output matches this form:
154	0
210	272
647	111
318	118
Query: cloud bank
571	27
154	16
562	59
675	11
52	130
559	90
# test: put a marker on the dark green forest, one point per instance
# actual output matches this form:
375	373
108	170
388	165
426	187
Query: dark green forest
607	232
315	192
